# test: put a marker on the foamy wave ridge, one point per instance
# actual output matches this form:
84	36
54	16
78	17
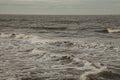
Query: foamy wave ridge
15	35
102	73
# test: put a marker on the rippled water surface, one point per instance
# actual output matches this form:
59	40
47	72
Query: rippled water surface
59	47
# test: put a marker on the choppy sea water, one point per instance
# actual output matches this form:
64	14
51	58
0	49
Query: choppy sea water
59	47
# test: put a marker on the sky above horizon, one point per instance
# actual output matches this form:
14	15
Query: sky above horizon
60	7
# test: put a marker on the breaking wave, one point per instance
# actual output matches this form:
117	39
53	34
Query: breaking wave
15	35
100	74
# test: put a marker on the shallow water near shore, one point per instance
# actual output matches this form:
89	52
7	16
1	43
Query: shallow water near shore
59	47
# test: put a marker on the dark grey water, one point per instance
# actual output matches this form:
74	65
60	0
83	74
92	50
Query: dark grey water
59	47
77	26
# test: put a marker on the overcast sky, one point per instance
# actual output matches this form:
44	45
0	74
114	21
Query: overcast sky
79	7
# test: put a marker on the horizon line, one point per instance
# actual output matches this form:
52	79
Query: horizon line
56	14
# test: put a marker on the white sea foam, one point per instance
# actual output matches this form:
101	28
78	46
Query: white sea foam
113	30
15	35
37	51
89	74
